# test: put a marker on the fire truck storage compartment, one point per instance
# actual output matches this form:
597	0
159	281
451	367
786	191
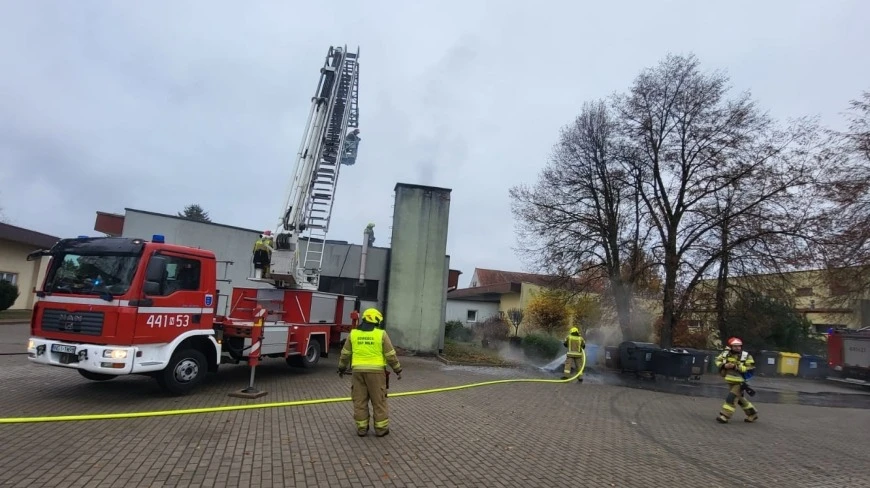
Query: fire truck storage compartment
322	309
856	352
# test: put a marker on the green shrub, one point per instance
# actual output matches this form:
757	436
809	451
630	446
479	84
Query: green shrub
541	346
454	330
8	294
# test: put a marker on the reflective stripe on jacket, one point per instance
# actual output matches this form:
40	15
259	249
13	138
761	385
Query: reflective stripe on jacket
575	345
744	363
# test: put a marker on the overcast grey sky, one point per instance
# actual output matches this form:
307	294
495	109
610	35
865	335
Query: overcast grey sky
155	105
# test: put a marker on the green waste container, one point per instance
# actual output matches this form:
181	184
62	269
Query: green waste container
788	363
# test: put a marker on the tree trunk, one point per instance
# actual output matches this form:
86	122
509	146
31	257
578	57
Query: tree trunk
622	293
722	283
672	262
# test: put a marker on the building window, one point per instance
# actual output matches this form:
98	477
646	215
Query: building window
348	286
804	292
10	277
693	324
471	316
838	289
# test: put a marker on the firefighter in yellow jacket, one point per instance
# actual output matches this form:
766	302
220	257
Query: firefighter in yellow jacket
733	364
369	351
576	348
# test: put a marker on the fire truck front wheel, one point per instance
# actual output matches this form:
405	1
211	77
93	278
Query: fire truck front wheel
96	376
185	371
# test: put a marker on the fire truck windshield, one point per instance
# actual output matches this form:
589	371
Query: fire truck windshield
91	274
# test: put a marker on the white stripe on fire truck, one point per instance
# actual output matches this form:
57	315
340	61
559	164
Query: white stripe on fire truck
125	303
176	310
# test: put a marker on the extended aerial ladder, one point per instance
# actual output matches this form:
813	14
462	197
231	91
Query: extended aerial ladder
330	139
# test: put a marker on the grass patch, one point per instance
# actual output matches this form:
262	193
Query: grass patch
469	353
22	315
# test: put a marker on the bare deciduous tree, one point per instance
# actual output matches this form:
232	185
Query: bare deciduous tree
579	219
848	190
705	162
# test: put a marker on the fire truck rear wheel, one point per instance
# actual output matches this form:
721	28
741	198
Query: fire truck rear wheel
185	371
96	376
309	359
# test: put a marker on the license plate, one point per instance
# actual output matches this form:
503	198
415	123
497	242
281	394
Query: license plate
63	348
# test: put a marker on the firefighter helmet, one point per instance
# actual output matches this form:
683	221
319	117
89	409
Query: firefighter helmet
734	342
574	330
372	316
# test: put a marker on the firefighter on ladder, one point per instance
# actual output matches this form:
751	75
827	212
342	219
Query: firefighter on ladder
576	348
733	363
369	350
263	255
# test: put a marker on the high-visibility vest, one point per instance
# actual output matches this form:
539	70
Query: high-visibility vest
575	345
367	347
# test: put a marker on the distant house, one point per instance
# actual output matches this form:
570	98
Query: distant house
15	244
492	291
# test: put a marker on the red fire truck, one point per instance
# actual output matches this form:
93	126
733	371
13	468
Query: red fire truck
111	306
849	355
117	306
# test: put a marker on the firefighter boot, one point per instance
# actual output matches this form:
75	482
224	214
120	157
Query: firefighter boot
735	396
748	410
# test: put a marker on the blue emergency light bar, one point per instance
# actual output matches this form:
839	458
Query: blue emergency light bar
158	238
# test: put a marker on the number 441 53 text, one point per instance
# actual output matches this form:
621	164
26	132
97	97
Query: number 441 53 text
168	320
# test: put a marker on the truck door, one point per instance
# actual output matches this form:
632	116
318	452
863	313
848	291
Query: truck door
176	299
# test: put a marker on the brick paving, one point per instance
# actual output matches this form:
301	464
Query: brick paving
523	435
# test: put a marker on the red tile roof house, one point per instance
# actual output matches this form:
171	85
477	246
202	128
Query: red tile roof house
492	291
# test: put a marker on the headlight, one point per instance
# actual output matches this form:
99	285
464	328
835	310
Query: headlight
30	344
115	353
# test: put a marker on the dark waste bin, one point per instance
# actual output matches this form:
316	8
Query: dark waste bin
711	366
700	361
611	357
766	363
673	363
637	357
813	367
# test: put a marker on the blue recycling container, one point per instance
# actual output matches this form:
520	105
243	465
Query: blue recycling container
813	367
592	354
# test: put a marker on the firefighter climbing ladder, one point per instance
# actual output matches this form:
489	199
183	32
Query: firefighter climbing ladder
309	203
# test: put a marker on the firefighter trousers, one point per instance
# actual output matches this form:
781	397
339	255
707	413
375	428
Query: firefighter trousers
575	361
735	398
370	386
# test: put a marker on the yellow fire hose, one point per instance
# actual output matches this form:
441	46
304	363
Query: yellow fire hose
294	403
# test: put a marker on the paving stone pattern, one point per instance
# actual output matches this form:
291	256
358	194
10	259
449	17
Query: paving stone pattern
512	435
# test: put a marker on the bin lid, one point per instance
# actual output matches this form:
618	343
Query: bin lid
789	354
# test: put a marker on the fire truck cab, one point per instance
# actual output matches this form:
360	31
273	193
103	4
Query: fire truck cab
114	306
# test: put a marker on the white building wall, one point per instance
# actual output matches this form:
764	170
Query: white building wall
457	309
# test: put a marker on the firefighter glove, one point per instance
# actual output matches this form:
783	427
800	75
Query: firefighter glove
341	372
